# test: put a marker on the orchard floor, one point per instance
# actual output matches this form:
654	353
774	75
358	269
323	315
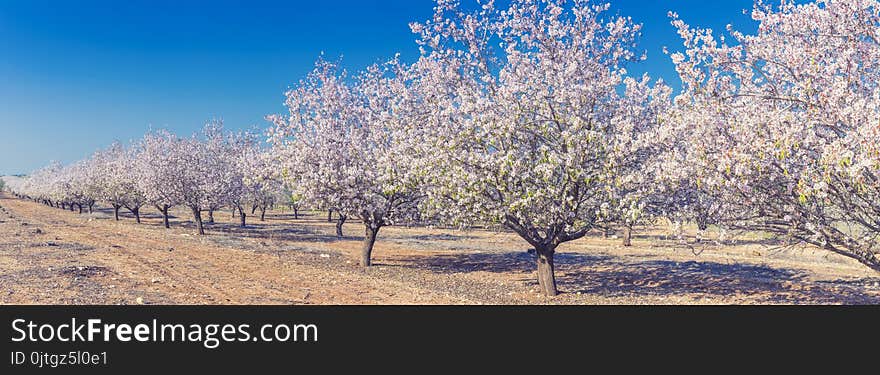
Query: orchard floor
50	256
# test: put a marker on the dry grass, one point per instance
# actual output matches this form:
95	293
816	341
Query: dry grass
49	256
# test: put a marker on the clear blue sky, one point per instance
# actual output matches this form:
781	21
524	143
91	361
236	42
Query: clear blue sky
74	76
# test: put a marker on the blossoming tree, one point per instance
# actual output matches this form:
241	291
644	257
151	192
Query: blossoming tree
160	164
525	115
341	144
117	175
785	123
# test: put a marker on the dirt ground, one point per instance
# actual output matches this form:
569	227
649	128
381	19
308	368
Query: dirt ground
50	256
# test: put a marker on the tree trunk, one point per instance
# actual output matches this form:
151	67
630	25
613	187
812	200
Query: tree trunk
90	208
165	216
253	209
210	216
546	271
329	216
627	235
197	215
243	217
295	214
263	213
80	208
607	233
137	214
339	224
369	241
702	225
116	211
233	212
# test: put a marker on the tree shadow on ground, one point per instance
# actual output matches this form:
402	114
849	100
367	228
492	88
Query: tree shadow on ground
665	278
611	276
691	240
265	230
125	214
498	262
289	216
432	237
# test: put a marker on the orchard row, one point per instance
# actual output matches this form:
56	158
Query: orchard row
525	116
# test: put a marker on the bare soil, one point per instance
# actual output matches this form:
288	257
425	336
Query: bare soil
50	256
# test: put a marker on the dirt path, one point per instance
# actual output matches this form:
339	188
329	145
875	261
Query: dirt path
50	256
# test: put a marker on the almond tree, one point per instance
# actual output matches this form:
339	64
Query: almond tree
244	160
205	169
257	183
82	184
59	188
209	172
264	186
115	169
160	165
108	167
221	178
196	178
635	148
785	123
523	110
683	196
294	201
341	145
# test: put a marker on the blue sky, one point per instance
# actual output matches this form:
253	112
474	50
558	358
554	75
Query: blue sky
77	75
